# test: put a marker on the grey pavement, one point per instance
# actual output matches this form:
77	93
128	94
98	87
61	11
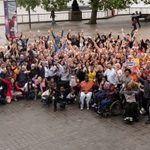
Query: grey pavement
29	125
104	26
113	25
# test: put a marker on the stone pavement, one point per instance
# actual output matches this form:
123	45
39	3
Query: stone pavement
104	26
29	125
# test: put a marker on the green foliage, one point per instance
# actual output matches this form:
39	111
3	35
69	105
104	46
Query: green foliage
28	4
146	1
95	4
109	4
56	4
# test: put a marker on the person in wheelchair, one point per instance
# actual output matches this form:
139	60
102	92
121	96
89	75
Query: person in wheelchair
131	109
105	102
101	92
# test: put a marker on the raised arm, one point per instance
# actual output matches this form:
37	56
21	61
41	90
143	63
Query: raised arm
62	33
53	35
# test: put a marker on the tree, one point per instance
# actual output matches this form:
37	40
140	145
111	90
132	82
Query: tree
95	5
28	5
146	1
55	4
107	5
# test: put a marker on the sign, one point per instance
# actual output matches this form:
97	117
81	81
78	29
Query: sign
10	12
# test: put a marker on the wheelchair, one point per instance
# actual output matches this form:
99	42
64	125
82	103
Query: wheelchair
112	107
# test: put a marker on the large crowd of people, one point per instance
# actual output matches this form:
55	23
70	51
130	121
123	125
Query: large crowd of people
62	68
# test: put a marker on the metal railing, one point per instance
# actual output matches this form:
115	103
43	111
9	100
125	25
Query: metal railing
86	14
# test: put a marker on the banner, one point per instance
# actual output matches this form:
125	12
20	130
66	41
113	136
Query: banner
10	12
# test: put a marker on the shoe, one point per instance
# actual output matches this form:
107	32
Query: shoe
81	108
125	119
131	119
142	111
148	121
93	105
88	108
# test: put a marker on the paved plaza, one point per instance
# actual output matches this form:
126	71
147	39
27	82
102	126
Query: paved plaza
104	26
29	125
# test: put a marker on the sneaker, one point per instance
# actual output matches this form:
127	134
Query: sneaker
81	108
142	111
87	108
125	119
93	105
131	119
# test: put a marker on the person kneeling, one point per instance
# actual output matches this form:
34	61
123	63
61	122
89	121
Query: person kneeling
60	98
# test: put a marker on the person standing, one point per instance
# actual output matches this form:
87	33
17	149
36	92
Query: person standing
53	16
134	22
146	84
137	18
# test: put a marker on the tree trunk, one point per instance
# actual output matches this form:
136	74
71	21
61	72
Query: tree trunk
93	16
29	13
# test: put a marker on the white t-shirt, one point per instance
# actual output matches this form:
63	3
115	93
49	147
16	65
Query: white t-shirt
111	76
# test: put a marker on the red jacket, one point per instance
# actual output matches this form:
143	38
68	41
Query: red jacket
9	87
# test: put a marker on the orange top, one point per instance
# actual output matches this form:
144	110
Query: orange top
134	76
86	86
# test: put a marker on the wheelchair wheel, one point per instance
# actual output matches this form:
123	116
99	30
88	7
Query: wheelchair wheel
116	108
